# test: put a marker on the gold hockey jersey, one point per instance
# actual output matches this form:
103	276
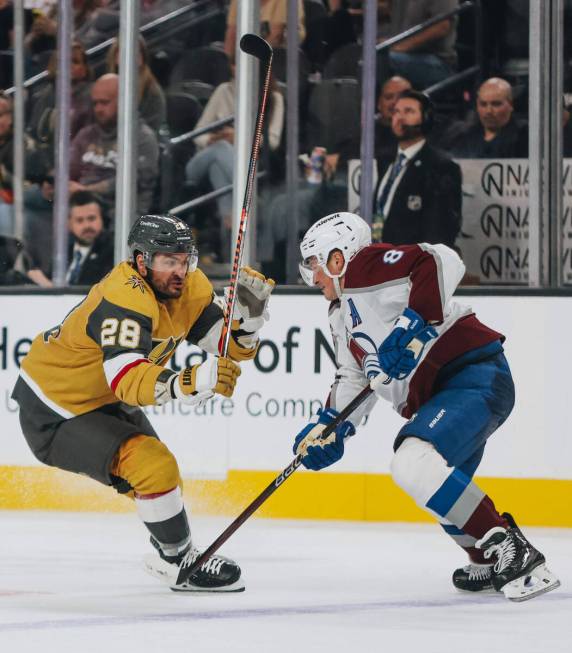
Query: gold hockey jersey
114	344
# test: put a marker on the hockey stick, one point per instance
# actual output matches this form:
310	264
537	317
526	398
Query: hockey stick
185	572
416	346
259	48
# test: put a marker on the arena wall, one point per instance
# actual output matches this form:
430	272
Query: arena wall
231	450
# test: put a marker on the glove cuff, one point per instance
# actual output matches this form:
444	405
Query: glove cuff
409	320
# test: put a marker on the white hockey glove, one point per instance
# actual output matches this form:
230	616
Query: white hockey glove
197	384
253	291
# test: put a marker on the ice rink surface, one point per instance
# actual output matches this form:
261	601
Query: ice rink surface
74	582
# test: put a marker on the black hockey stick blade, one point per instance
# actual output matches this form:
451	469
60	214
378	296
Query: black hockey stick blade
186	572
256	46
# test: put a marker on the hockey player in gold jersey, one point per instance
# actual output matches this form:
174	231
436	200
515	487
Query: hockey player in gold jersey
82	383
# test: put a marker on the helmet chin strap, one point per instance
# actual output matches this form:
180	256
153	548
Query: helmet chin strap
337	286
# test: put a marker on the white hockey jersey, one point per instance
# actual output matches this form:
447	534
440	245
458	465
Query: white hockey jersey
380	282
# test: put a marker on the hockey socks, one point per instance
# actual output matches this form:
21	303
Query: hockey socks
164	515
463	509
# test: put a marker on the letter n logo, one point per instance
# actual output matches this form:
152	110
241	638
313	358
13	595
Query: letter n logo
356	319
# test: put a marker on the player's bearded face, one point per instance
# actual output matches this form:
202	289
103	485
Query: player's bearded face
167	274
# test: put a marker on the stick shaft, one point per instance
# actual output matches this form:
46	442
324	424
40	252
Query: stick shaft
244	215
185	573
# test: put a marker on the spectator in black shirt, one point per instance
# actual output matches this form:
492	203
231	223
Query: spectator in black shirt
496	134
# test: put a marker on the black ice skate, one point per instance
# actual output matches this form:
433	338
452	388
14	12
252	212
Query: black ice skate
474	578
217	574
520	571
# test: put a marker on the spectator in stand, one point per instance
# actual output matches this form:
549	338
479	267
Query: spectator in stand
43	116
42	33
496	134
419	197
152	103
6	165
429	56
38	212
385	141
329	195
90	249
93	156
93	22
273	18
214	162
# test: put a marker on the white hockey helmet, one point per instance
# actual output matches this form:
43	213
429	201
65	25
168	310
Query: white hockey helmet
344	231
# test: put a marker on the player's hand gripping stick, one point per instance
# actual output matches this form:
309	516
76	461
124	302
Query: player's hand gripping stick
415	345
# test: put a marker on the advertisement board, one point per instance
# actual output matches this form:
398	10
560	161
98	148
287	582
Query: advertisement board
290	379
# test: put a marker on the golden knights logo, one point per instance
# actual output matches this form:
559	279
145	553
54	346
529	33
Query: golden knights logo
135	282
163	348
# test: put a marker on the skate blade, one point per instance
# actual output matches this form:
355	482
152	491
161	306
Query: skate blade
167	573
488	590
189	588
539	581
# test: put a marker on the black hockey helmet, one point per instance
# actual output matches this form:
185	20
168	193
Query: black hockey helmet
166	234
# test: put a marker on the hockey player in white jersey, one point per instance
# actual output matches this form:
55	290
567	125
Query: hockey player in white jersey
395	325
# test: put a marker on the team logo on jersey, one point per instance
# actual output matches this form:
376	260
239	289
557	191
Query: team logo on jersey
135	282
392	256
356	319
163	348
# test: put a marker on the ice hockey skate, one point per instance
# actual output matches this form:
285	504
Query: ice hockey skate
217	574
520	571
474	578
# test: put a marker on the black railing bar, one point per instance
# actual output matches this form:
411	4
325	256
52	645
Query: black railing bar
157	37
148	26
207	197
177	140
469	4
450	81
173	14
31	81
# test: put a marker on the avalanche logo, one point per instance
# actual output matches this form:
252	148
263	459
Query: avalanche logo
364	351
356	319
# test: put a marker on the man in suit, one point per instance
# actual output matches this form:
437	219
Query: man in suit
418	198
91	246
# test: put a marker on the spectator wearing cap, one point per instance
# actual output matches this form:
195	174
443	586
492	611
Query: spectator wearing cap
418	198
496	134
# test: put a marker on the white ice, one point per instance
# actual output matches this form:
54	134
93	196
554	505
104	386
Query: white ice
74	582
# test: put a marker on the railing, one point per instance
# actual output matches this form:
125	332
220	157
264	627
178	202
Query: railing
421	27
167	160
